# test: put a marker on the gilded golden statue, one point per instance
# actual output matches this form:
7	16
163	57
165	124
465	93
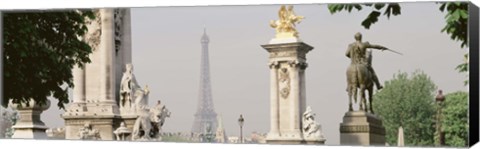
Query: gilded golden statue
285	25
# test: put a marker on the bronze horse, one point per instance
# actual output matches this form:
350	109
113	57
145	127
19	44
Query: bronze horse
359	77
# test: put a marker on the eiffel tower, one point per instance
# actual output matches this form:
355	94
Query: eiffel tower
205	115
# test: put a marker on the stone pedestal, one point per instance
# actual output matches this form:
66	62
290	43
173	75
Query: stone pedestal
362	128
100	117
30	126
287	63
105	125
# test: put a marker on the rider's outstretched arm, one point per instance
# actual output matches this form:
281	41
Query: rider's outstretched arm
373	46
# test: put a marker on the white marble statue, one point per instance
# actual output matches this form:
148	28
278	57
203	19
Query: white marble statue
88	133
149	122
132	96
311	129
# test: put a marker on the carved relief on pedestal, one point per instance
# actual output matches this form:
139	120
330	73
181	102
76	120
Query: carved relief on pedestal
88	133
284	83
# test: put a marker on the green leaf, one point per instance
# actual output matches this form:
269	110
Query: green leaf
455	119
35	69
371	19
379	6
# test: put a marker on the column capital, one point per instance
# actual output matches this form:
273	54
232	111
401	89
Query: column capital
274	64
298	64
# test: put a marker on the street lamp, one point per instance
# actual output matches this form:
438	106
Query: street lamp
240	122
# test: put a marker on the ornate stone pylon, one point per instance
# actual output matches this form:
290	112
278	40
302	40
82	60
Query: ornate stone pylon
287	91
287	62
95	99
205	110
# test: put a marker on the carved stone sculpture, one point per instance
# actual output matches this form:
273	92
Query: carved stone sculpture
94	30
285	25
118	17
132	96
284	83
88	133
149	122
311	129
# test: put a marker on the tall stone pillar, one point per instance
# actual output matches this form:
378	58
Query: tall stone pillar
274	100
287	59
95	85
127	37
295	102
107	52
1	55
79	88
79	99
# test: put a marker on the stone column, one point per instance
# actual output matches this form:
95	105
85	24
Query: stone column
295	103
127	37
79	88
303	94
1	55
29	125
274	100
107	48
2	135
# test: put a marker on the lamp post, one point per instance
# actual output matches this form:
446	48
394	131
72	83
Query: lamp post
439	134
240	122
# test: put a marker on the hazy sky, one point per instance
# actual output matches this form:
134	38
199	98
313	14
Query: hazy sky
166	56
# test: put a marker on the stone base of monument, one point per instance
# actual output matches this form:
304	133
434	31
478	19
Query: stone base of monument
104	124
362	128
101	116
315	141
24	131
296	141
29	125
284	40
286	139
